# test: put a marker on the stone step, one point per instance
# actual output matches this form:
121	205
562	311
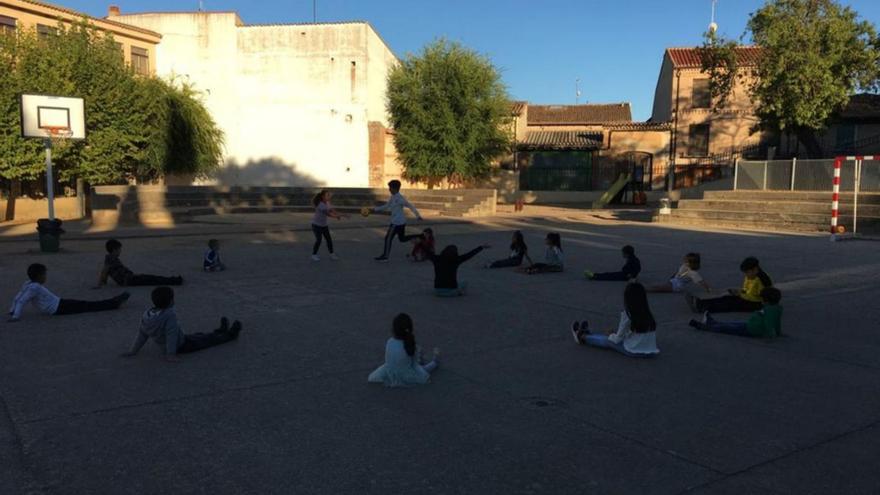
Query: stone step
775	207
782	220
793	196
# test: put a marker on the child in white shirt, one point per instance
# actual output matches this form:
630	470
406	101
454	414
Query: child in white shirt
636	332
403	365
35	292
688	274
395	205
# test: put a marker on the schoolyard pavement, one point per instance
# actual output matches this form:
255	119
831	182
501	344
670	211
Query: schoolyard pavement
515	408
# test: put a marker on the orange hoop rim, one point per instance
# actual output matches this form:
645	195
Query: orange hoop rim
57	132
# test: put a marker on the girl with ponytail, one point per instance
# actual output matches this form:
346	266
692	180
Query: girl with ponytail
403	364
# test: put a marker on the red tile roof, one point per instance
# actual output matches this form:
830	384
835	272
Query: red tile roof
516	107
561	140
579	114
687	58
864	106
72	12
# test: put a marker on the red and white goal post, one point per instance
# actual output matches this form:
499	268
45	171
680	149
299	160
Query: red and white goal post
836	228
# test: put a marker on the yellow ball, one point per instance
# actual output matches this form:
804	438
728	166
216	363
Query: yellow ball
365	211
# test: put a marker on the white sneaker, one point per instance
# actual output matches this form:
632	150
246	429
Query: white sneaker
334	257
315	257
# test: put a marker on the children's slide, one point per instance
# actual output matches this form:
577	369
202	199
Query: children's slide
615	189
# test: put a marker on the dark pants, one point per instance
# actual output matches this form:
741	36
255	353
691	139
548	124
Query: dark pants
72	306
400	232
544	268
507	263
730	328
611	277
198	341
728	304
319	233
138	279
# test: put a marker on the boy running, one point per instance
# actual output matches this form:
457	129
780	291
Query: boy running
395	205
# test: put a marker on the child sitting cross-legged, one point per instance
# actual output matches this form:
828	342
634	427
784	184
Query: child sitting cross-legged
518	252
403	364
636	332
766	322
212	261
160	324
553	257
446	265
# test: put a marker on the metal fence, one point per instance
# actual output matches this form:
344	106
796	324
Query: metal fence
802	175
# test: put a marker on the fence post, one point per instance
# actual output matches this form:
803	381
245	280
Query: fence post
765	175
735	173
793	171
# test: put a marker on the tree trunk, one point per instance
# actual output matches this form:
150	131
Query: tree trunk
808	138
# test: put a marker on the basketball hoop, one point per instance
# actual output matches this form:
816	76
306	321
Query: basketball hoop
56	134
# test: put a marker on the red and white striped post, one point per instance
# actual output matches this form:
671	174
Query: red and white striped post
835	195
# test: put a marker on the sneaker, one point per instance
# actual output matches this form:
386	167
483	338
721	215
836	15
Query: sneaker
334	257
121	298
576	332
315	257
588	274
235	329
381	259
691	302
585	327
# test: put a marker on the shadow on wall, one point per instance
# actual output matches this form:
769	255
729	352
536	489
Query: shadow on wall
264	172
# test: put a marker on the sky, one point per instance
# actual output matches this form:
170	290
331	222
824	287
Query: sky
541	47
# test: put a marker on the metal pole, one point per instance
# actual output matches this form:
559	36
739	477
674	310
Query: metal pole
857	185
50	186
764	188
315	11
735	173
793	171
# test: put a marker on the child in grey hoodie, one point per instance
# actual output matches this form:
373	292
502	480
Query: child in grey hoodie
160	324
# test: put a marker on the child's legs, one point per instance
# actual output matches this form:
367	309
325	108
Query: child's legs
326	233
317	231
401	234
728	304
389	236
198	341
611	277
730	328
72	306
430	367
448	292
507	263
598	340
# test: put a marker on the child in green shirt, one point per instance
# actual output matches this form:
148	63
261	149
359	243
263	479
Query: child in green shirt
764	323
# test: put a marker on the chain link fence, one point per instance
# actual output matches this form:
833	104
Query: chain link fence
801	175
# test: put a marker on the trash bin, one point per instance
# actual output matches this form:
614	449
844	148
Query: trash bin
50	234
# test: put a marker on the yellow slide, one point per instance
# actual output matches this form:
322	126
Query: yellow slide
615	189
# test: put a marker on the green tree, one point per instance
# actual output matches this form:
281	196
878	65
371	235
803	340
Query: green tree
137	127
450	113
815	55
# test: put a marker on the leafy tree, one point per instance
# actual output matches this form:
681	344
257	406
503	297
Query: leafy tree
137	127
815	55
450	112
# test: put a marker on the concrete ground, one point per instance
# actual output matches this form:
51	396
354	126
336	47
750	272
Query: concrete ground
515	408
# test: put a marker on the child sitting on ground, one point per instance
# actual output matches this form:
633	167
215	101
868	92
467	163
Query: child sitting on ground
160	324
423	247
446	265
636	332
743	300
212	262
630	270
403	364
43	299
518	252
553	257
766	322
688	274
113	268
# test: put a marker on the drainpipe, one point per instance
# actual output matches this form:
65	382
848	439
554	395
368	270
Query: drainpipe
673	146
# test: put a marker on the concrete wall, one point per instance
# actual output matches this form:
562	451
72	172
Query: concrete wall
295	101
29	14
26	209
663	93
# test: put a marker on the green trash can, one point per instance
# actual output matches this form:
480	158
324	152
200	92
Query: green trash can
50	234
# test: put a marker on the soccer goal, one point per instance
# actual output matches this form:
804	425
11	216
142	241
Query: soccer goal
856	180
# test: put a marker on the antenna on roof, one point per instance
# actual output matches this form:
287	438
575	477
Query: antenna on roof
315	11
201	5
577	91
713	26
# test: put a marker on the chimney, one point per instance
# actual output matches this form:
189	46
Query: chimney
113	10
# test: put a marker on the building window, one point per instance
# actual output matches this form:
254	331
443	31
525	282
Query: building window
7	25
701	97
140	61
698	140
45	31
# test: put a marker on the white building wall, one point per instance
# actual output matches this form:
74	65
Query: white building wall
293	100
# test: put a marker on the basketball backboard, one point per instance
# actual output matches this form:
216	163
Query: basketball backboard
43	116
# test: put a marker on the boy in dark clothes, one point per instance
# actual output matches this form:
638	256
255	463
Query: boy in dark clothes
113	268
630	270
765	323
446	270
160	324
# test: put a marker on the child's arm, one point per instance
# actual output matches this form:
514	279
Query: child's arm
412	208
172	330
18	305
139	342
472	253
102	277
382	208
705	286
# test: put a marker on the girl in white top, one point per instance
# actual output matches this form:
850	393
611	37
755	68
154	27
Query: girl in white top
320	228
636	332
688	274
554	260
402	366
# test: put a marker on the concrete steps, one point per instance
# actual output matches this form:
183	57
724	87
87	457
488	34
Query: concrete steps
169	205
773	211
